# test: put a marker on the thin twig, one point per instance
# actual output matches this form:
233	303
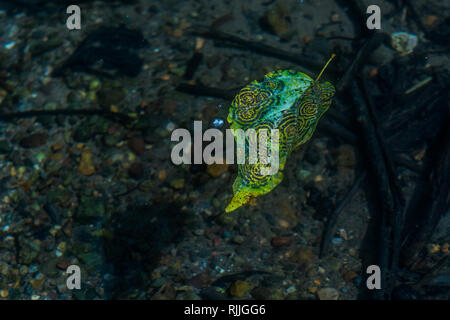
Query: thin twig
361	56
115	116
387	194
329	230
304	63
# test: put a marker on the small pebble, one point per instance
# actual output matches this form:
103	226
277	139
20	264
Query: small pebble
218	123
200	281
239	288
343	234
162	175
312	290
136	170
34	140
62	246
38	282
335	17
62	265
404	42
23	270
177	183
199	42
430	20
9	45
433	248
302	256
170	126
291	289
215	170
350	275
86	166
281	241
328	294
283	223
4	293
137	145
